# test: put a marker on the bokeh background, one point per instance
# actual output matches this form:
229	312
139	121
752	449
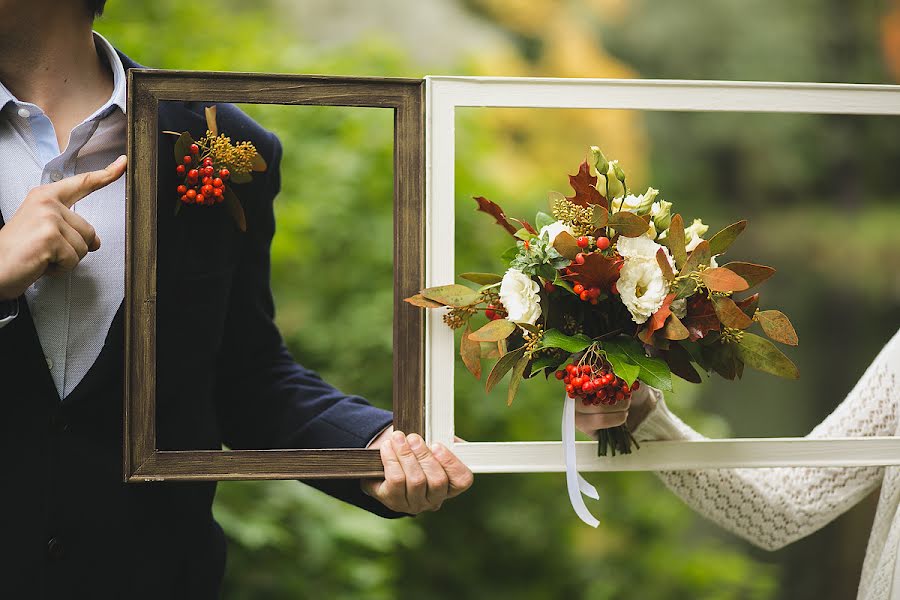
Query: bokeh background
821	193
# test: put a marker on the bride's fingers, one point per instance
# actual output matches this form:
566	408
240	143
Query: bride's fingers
591	409
589	423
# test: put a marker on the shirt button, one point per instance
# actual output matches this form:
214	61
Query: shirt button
55	549
55	175
49	362
24	113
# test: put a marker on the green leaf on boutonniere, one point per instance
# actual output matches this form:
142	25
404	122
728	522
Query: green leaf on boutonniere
240	177
211	124
183	147
684	288
493	331
762	355
235	209
258	163
502	366
554	338
452	295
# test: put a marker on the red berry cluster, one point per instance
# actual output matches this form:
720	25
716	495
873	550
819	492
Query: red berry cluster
591	294
494	312
594	385
586	241
204	185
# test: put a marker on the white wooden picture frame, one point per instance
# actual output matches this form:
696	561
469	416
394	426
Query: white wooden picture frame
445	94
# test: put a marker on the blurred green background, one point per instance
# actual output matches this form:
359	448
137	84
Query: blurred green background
820	193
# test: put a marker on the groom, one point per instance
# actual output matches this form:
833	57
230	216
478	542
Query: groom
71	528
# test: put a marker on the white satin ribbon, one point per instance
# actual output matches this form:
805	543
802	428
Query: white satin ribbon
576	484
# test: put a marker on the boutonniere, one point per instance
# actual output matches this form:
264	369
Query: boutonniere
211	166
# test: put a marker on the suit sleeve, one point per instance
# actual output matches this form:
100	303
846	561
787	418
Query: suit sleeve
265	398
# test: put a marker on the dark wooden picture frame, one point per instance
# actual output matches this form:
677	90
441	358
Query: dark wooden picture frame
146	89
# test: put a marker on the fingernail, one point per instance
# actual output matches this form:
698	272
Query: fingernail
122	158
437	448
414	440
398	438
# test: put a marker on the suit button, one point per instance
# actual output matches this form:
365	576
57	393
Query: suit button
55	549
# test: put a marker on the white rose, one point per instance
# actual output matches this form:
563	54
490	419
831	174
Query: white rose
642	287
520	298
554	229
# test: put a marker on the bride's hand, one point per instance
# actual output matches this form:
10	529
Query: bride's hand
631	411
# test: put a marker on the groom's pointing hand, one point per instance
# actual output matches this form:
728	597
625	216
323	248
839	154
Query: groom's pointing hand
416	478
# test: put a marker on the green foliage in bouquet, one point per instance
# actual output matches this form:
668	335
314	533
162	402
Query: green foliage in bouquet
611	291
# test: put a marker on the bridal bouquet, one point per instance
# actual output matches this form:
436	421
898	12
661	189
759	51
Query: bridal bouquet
608	291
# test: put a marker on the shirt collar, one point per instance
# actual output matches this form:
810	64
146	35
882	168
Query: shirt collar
115	63
117	99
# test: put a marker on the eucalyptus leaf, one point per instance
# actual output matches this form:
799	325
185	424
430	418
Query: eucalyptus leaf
762	355
482	278
515	379
452	295
493	331
506	362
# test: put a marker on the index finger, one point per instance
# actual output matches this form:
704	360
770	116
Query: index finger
72	189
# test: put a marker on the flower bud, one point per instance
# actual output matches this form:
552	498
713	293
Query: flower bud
599	164
615	181
661	212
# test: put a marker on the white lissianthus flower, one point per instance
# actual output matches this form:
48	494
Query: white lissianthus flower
693	234
554	229
520	297
640	247
641	284
636	204
642	288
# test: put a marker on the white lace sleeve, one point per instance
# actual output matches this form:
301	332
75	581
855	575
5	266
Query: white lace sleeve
772	507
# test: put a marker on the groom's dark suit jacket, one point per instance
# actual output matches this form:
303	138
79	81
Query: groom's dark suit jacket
69	527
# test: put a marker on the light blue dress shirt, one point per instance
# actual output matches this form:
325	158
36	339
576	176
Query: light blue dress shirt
72	312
